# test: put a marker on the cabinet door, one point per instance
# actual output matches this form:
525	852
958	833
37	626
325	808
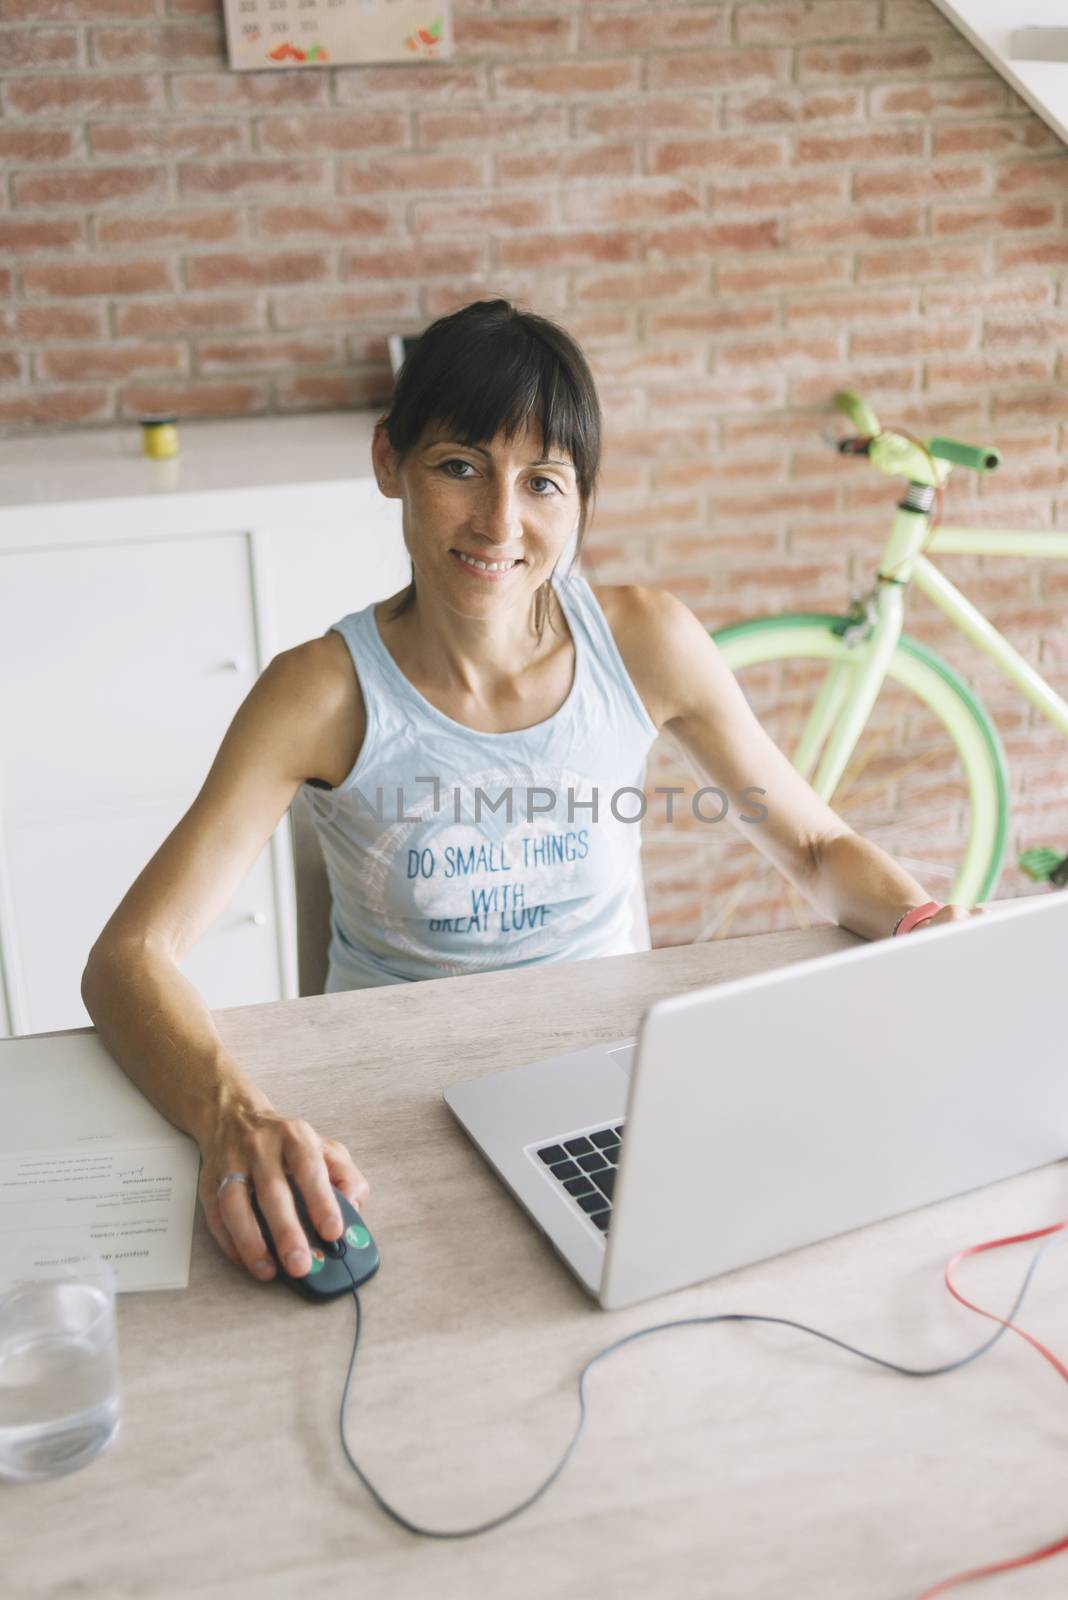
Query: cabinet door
326	570
121	666
66	876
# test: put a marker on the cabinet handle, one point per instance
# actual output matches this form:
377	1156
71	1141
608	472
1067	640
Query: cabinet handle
258	918
235	664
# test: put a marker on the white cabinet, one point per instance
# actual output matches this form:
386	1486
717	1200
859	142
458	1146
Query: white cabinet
139	601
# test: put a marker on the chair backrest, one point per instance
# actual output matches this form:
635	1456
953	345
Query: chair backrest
313	899
313	902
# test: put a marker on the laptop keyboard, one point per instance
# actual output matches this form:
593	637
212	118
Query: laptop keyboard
585	1165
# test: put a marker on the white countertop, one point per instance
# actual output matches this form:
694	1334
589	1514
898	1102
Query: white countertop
235	453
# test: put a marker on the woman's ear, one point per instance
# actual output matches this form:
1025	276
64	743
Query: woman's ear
384	460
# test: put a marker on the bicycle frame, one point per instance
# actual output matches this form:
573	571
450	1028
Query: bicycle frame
842	707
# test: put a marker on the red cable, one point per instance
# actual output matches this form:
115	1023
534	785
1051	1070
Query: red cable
1060	1544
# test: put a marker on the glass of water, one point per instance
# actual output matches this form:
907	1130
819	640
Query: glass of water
59	1371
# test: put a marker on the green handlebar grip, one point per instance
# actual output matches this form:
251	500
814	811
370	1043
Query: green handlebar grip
981	457
858	411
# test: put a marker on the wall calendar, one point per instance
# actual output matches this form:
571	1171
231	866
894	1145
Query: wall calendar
265	34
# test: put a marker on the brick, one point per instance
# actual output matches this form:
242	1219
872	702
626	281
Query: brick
508	36
711	237
847	308
875	60
72	279
548	294
328	220
1048	253
179	227
43	407
423	82
39	47
647	364
949	98
664	514
856	227
1034	177
901	145
919	261
90	186
707	69
974	373
265	269
82	96
194	399
36	144
566	248
1047	332
724	394
247	179
720	317
568	80
345	306
234	91
60	322
334	391
956	221
709	474
174	44
778	193
924	340
816	19
491	125
649	114
475	216
661	28
11	366
998	292
76	10
784	351
982	138
713	155
562	165
184	314
640	284
875	384
788	106
21	236
921	183
162	139
787	272
340	131
233	355
417	170
110	361
641	200
407	260
1052	403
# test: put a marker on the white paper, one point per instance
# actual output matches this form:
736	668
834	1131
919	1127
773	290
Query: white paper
84	1156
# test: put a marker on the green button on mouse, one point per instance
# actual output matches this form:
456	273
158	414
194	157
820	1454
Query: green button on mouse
358	1236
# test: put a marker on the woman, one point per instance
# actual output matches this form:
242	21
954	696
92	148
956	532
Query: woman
473	749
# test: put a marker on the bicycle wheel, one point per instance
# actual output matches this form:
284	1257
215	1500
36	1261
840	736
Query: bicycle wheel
926	781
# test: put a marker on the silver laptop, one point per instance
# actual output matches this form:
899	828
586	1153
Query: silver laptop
768	1112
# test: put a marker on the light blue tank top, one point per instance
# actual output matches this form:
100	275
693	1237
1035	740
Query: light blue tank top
430	876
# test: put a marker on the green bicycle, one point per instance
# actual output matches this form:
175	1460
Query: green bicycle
884	730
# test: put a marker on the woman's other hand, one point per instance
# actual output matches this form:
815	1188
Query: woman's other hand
264	1147
948	914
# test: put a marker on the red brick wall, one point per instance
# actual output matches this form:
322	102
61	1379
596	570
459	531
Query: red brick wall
736	207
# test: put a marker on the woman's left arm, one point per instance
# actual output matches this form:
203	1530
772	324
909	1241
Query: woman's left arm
692	693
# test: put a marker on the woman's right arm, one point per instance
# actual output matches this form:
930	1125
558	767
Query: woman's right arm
152	1019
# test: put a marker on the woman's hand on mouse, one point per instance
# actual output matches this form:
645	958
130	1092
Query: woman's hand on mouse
264	1147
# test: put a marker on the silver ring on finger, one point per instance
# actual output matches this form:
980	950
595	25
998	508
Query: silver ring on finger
232	1177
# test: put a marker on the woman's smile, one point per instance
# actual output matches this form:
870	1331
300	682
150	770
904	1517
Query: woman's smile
481	567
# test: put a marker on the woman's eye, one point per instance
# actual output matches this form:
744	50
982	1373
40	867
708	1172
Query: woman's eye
455	461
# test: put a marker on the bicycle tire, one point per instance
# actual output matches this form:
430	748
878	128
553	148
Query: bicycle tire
916	672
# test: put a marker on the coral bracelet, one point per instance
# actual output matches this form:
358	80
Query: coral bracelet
909	919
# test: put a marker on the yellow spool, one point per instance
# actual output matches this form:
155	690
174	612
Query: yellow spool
159	437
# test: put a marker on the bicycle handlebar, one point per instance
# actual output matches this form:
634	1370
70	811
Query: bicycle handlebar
893	453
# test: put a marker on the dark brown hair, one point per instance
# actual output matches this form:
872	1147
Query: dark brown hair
486	369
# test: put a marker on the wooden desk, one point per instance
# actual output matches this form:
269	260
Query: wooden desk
718	1462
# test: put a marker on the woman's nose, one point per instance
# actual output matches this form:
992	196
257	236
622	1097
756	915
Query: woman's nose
497	514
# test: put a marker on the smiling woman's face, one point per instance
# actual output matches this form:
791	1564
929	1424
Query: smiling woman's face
484	524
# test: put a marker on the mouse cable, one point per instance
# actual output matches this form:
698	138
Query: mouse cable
730	1316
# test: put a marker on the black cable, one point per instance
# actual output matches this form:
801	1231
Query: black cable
641	1333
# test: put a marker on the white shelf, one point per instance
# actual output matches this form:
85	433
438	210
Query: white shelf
989	25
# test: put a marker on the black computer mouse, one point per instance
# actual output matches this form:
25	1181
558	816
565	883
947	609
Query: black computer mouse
337	1265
